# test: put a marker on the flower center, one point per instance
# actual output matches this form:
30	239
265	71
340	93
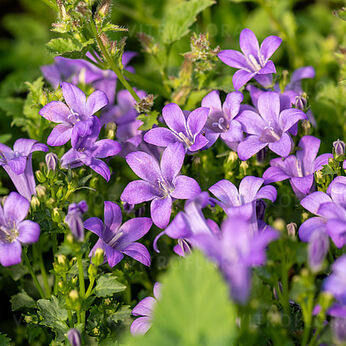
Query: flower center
187	141
165	187
8	233
254	63
269	135
221	124
73	117
114	240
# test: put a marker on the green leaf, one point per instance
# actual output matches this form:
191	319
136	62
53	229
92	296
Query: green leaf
149	120
4	340
66	45
179	18
22	300
113	27
5	138
194	308
12	106
122	314
107	285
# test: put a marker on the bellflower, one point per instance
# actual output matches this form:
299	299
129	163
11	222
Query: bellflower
89	152
14	230
118	240
74	219
189	223
298	168
75	118
160	183
268	127
145	309
236	250
18	164
242	202
221	120
182	130
254	62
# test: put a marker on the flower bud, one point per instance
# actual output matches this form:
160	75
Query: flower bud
306	126
92	270
279	224
145	104
243	168
35	203
41	191
98	257
232	157
292	230
73	295
339	148
40	176
51	161
339	330
301	102
74	337
56	217
74	219
317	250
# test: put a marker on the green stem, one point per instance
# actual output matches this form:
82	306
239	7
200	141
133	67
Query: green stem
307	314
55	250
112	63
38	255
81	275
90	287
31	271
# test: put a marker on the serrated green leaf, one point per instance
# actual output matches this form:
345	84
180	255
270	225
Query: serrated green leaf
63	46
149	120
178	19
22	300
194	307
107	285
113	27
123	313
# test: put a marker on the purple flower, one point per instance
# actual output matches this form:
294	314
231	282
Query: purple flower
145	309
89	152
14	230
336	282
181	130
268	127
52	161
254	62
235	250
74	219
299	168
75	119
317	249
242	202
116	239
339	148
18	164
189	223
160	183
221	118
73	336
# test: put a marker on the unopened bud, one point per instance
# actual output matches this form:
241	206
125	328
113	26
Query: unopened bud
232	157
339	148
279	224
103	9
145	104
301	102
56	217
73	295
40	176
319	177
41	191
51	161
292	230
61	259
35	203
306	126
98	257
243	168
74	337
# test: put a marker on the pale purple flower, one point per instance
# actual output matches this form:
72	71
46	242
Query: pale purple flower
160	182
145	309
88	152
52	161
299	168
118	239
75	118
18	164
254	62
269	127
317	249
181	129
339	148
221	120
74	219
14	230
236	249
242	202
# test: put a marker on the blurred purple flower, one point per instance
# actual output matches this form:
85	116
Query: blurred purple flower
74	219
18	164
236	249
221	121
300	168
116	239
254	62
75	119
181	130
160	183
14	230
145	309
268	127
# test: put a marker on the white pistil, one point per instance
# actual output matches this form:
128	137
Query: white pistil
253	62
113	241
184	139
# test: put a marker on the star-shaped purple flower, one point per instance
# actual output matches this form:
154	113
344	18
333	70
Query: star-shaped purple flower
181	129
118	240
269	127
160	183
221	120
75	118
88	152
145	309
254	62
18	164
14	230
298	168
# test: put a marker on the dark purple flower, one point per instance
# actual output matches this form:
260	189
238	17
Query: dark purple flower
300	168
14	230
52	161
242	202
160	182
145	309
236	249
221	118
182	130
254	62
116	239
89	152
268	127
18	164
74	219
73	336
75	119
